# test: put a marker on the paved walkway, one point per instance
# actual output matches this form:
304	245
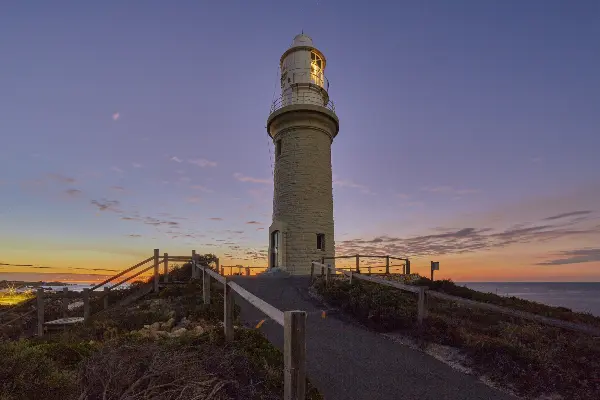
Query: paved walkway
347	361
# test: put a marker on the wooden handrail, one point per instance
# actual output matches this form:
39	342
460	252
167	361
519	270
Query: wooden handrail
216	275
122	273
270	311
127	279
356	275
517	313
475	304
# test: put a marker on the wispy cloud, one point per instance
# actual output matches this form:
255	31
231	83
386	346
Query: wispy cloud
243	178
136	165
73	192
17	265
253	223
61	178
116	169
158	222
201	162
107	205
574	257
449	190
116	116
176	159
133	235
568	214
464	240
202	188
346	183
117	188
216	219
193	199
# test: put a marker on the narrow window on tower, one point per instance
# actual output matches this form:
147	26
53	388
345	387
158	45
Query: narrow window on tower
320	241
277	149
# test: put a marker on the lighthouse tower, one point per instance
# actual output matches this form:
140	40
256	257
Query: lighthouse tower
302	124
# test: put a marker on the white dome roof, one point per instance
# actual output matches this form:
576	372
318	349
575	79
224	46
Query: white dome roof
302	40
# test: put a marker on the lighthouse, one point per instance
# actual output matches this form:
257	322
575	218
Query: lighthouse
302	124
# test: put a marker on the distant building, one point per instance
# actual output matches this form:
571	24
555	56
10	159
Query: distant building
302	124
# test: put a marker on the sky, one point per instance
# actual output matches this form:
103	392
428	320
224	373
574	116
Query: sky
469	133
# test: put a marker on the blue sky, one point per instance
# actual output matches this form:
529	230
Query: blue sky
132	126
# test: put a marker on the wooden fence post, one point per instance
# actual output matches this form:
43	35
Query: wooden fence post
40	311
218	264
194	270
247	271
407	265
387	264
156	276
106	294
86	304
421	311
350	279
358	263
294	355
65	302
205	286
369	270
166	268
223	271
228	312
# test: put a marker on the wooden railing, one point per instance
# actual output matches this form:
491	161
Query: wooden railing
109	285
240	268
293	323
405	266
423	293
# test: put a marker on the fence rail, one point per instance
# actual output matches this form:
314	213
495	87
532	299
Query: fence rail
424	293
293	323
387	266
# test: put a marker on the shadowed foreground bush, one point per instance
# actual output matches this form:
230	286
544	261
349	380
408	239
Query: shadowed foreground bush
530	358
109	359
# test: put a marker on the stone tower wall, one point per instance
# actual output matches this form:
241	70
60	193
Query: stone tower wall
302	198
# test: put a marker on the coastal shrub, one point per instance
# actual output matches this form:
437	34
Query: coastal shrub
449	287
533	359
30	371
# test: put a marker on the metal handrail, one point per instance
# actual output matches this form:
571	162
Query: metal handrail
301	98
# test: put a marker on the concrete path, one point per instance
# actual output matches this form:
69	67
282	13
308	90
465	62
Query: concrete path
347	361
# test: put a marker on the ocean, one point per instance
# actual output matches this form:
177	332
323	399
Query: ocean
578	296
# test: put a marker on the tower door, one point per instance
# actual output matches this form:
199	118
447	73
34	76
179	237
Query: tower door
275	241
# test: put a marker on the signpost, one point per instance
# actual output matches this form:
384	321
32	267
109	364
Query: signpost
435	266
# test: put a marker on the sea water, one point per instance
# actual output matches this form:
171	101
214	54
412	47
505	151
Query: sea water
578	296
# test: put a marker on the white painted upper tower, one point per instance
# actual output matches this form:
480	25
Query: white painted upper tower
302	124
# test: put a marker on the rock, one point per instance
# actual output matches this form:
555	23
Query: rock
198	330
155	326
184	322
146	326
168	324
178	332
162	334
